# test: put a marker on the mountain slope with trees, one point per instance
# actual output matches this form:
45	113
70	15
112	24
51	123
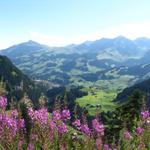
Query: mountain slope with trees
142	86
17	83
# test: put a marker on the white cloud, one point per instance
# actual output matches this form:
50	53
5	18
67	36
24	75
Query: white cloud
49	40
130	31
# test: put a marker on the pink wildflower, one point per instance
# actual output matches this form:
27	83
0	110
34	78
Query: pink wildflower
41	116
139	131
77	124
14	113
62	128
65	114
85	129
99	128
106	147
3	102
21	123
20	144
31	112
144	115
30	146
127	135
52	125
56	115
99	143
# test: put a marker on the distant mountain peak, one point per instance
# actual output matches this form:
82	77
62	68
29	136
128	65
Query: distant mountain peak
28	47
31	42
120	37
143	42
142	38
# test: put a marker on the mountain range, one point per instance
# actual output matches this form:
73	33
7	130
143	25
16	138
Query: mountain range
91	61
105	64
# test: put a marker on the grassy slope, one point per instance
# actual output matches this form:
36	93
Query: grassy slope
95	98
103	95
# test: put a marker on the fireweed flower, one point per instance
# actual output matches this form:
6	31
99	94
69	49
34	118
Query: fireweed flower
145	115
31	112
65	115
139	131
56	115
77	124
41	116
127	135
85	129
20	143
21	123
14	113
99	128
30	146
99	143
10	124
3	102
52	125
1	117
106	147
62	128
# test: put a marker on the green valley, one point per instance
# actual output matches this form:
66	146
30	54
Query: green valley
97	101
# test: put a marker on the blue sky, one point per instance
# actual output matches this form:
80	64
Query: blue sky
61	22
